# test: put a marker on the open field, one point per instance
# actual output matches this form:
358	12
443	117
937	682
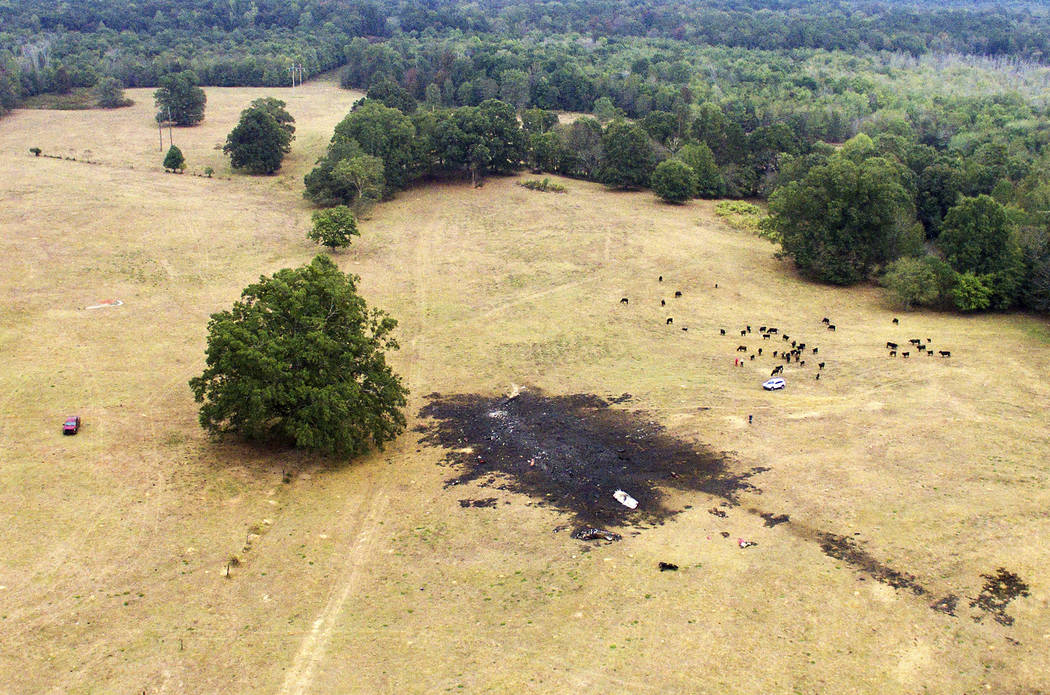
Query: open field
371	577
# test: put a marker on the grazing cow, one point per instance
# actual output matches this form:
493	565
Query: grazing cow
930	353
677	294
929	340
752	357
920	348
815	350
891	346
684	328
661	278
743	332
797	358
669	320
771	330
624	300
779	369
792	343
774	353
765	336
896	321
802	363
826	321
760	351
761	329
663	303
915	341
831	326
820	365
905	354
749	328
818	376
801	346
944	353
741	348
722	331
893	353
786	337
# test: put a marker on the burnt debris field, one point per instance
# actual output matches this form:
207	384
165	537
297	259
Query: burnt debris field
573	452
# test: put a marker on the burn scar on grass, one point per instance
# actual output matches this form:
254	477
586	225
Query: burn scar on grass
573	452
998	591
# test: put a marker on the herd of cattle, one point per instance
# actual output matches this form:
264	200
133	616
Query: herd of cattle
794	354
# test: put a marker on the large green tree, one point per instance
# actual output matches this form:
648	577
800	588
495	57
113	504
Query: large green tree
179	99
709	181
977	238
259	141
845	218
674	181
300	360
383	132
334	227
628	158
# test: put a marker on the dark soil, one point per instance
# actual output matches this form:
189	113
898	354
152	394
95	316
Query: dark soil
998	590
486	502
774	519
573	452
948	604
845	549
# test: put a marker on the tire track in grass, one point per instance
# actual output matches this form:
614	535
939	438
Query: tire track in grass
366	518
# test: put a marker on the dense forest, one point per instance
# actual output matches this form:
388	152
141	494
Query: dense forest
942	106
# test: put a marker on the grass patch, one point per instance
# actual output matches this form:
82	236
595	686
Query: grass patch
745	216
77	100
546	185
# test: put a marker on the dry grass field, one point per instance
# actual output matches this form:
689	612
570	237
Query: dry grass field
370	577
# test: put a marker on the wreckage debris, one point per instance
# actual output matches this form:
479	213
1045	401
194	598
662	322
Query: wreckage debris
587	533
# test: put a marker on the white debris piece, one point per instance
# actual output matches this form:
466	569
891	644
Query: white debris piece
625	499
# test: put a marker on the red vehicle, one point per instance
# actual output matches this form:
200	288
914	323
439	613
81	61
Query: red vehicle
71	425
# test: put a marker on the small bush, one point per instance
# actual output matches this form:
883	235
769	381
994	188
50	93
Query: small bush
546	185
208	171
36	151
745	216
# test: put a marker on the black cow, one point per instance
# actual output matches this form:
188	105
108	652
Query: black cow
815	350
802	363
818	375
820	365
920	348
915	341
826	321
774	353
743	332
831	326
669	320
677	294
741	348
779	369
786	337
905	354
896	322
761	329
893	353
749	328
930	353
752	357
801	346
765	336
663	303
771	330
891	346
624	300
792	343
760	351
684	328
722	331
944	353
661	278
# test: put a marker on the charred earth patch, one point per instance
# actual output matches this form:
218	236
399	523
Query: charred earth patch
573	452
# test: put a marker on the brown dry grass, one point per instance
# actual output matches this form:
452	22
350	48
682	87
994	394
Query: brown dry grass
370	577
